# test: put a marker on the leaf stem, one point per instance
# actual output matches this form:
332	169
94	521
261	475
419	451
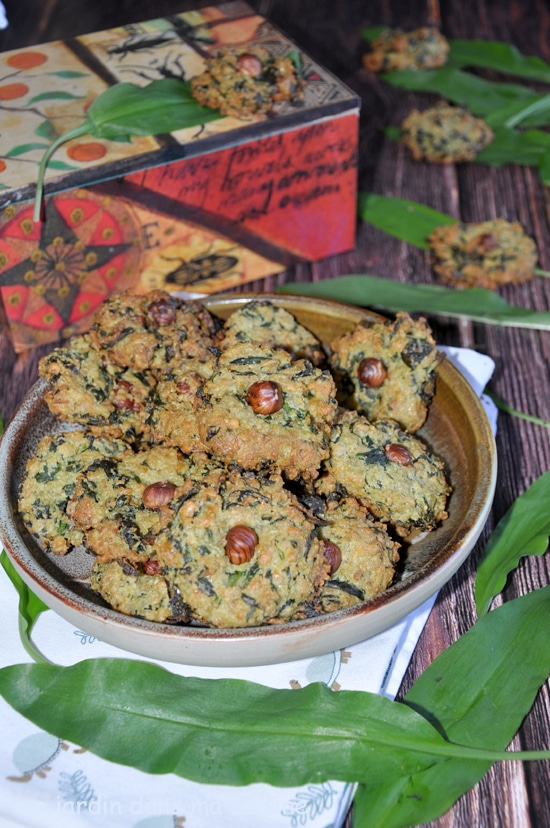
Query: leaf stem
72	133
515	413
538	272
26	641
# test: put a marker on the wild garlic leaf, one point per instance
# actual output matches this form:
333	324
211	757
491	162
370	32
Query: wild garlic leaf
480	96
30	607
407	220
492	54
234	732
477	691
125	109
510	146
162	106
478	304
372	32
508	409
523	530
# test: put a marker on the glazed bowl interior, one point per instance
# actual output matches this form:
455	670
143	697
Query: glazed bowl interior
456	429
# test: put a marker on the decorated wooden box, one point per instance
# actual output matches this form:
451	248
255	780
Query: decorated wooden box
196	210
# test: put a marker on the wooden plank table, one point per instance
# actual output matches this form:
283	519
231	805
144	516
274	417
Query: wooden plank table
512	794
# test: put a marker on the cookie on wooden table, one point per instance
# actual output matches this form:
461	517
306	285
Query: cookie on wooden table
395	49
484	254
444	134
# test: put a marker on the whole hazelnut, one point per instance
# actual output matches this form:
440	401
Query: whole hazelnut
398	454
162	312
372	372
265	397
249	65
333	556
151	567
158	495
240	543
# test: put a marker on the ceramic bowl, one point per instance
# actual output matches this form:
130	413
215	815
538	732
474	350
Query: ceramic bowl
457	429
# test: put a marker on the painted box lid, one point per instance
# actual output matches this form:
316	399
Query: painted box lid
46	90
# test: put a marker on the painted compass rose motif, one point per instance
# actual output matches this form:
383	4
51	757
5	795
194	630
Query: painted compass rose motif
54	274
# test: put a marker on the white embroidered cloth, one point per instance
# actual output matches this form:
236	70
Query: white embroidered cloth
45	782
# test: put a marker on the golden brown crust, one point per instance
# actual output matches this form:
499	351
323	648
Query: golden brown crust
368	555
395	49
484	254
445	134
403	358
293	439
393	474
246	82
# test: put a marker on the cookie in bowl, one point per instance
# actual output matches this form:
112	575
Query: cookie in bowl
387	370
263	410
392	473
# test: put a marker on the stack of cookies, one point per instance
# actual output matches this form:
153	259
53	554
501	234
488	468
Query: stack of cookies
239	473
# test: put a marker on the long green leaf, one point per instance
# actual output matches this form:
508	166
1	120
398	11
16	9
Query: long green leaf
502	57
530	148
534	113
523	530
30	607
515	147
476	692
478	304
162	106
508	409
480	96
126	109
229	731
407	220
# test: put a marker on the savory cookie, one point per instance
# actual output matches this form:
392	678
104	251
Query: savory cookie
262	410
242	553
445	134
387	370
395	49
130	590
393	474
261	321
87	389
155	331
121	503
361	555
50	481
485	254
172	418
246	82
